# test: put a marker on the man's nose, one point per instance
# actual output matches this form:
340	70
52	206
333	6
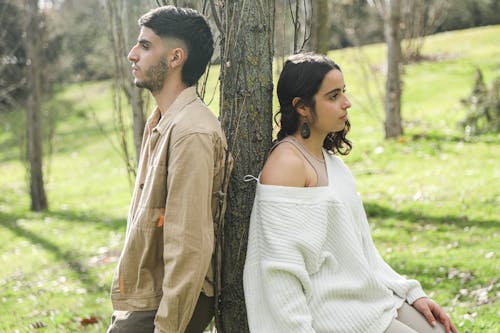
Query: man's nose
132	55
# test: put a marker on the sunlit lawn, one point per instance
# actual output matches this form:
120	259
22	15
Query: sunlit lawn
432	197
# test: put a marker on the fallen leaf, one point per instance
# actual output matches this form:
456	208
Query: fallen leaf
88	321
38	324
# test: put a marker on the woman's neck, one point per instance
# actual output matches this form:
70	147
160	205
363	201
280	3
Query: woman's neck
314	144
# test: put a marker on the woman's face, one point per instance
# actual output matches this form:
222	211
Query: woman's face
331	104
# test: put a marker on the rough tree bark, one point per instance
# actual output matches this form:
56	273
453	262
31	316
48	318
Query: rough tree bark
33	42
320	27
246	110
392	29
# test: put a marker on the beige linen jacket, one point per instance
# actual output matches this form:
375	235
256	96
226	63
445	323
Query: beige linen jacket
166	259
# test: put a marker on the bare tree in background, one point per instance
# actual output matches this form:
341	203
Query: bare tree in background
420	18
33	39
390	10
12	57
200	6
320	27
392	23
121	16
246	89
301	13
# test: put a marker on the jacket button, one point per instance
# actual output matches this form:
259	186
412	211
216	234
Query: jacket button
141	186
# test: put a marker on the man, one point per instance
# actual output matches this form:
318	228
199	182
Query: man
163	282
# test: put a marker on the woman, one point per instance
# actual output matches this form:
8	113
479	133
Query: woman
311	264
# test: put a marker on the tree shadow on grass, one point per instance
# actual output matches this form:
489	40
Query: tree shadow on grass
66	140
375	210
439	137
100	221
71	258
90	217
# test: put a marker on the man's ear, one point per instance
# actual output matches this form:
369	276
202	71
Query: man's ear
177	57
299	105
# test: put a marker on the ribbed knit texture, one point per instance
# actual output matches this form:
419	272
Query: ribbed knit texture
311	264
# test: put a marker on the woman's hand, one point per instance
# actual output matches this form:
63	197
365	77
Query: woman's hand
433	312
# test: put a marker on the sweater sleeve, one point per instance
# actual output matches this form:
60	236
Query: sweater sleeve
408	289
284	250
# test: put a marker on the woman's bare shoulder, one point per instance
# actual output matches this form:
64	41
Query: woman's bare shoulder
284	167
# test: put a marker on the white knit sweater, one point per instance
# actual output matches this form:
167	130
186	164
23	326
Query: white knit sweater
311	264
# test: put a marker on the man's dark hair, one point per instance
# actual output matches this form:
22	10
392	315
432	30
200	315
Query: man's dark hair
189	26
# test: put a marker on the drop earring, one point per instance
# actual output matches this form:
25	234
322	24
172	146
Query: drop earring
305	130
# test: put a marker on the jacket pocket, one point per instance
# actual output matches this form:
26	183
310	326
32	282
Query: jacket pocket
154	190
141	263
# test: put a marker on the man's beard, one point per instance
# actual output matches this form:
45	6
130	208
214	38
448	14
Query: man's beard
155	76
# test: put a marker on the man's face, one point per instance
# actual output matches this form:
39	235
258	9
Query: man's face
149	61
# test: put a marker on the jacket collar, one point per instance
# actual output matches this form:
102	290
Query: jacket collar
187	96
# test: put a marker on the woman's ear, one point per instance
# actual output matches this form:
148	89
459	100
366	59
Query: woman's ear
299	105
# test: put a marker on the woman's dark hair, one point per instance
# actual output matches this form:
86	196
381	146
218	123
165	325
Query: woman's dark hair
301	77
189	26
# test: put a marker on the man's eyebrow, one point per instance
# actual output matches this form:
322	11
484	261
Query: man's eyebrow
143	41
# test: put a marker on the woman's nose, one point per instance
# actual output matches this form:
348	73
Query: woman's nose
347	103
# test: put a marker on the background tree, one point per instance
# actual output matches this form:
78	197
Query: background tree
392	23
320	27
420	18
483	107
33	38
123	32
246	89
284	31
464	14
86	49
391	13
12	56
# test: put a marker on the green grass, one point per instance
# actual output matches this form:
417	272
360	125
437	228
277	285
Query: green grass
432	198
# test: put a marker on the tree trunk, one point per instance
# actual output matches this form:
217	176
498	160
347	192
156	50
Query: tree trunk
246	109
138	119
392	21
119	12
34	121
133	93
320	30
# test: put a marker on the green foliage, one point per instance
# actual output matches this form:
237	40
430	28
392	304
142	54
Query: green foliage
432	197
355	22
12	56
483	107
83	29
466	13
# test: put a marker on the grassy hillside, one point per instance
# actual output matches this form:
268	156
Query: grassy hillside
432	197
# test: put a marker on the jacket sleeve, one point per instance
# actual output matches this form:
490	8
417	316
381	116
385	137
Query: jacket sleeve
284	249
188	233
